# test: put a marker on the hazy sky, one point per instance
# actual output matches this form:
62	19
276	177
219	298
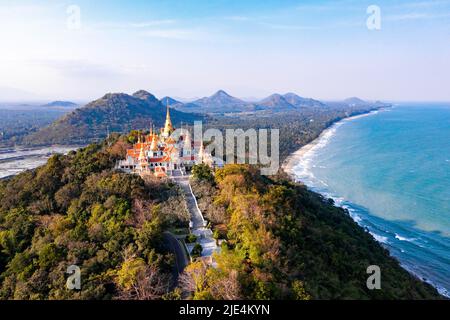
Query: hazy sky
320	49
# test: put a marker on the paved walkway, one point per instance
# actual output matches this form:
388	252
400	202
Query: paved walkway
204	235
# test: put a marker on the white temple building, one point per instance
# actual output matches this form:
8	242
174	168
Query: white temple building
161	154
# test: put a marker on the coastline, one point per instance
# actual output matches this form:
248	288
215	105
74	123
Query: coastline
294	158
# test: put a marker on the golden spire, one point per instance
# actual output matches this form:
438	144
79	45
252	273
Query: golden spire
154	144
142	154
168	128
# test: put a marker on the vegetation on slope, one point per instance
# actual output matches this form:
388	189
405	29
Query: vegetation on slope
285	242
75	210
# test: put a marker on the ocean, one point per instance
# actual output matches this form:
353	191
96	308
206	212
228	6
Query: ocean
16	160
391	170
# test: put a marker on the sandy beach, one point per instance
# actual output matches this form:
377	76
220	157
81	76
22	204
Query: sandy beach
294	158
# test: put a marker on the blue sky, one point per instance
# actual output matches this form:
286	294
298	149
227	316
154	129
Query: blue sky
320	49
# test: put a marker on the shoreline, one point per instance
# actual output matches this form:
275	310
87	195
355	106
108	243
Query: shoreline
294	158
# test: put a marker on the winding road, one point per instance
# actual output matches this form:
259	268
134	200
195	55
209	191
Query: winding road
181	259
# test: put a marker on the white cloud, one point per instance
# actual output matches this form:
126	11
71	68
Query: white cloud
425	4
416	16
152	23
329	6
178	34
288	27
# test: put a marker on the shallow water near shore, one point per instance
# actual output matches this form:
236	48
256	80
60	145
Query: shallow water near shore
391	170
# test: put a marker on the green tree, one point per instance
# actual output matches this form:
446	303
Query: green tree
202	172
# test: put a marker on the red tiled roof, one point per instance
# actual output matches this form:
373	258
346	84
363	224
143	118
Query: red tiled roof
157	159
133	153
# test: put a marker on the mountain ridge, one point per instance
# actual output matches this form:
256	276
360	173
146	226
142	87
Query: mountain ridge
277	101
222	102
61	103
113	112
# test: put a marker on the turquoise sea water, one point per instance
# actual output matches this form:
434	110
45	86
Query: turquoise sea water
391	170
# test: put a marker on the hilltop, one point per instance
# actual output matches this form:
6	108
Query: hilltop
219	102
276	102
298	101
114	112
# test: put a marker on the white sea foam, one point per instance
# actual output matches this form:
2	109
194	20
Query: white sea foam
441	290
400	238
302	169
379	238
356	217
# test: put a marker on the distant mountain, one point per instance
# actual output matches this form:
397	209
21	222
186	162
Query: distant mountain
64	104
116	112
147	97
220	102
355	101
170	101
276	102
298	101
181	106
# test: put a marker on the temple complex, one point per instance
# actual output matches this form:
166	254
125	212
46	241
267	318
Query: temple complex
164	153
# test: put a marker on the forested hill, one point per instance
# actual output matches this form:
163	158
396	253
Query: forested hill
114	112
76	210
281	240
